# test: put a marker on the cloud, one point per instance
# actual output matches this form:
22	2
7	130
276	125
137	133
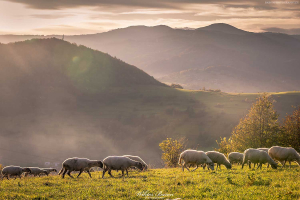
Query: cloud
50	4
66	29
94	16
291	31
51	16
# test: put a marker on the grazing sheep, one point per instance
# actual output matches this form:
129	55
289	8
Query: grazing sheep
284	154
35	171
49	170
235	157
219	158
119	163
14	171
194	157
78	164
138	159
258	156
263	149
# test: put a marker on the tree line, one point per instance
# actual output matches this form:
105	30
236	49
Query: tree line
261	128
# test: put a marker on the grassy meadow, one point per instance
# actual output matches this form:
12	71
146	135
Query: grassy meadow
162	184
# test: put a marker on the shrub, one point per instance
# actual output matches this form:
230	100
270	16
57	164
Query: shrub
173	85
171	150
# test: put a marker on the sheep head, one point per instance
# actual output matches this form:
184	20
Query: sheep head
46	172
100	164
26	169
145	167
211	165
228	166
274	166
140	166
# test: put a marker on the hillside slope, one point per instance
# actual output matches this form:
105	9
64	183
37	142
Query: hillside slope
60	100
162	51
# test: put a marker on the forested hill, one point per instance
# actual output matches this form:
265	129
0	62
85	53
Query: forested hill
38	60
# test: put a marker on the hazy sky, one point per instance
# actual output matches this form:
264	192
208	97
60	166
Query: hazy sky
93	16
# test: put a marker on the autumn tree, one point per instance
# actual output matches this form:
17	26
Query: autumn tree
259	128
171	151
290	130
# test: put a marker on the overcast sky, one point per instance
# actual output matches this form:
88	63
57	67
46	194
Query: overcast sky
93	16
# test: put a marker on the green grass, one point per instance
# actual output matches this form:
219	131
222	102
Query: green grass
200	184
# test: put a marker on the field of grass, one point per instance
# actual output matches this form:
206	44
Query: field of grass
162	184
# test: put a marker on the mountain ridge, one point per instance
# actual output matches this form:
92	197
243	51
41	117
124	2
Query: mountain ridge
161	51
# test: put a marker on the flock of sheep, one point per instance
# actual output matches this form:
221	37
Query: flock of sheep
122	163
256	156
187	158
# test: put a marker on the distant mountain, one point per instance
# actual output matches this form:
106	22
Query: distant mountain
224	28
161	51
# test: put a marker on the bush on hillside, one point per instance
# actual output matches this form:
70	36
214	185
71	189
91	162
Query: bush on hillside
173	85
171	151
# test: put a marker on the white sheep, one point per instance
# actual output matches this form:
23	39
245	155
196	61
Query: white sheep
219	158
235	157
194	157
49	170
78	164
119	163
35	171
263	149
13	171
284	154
257	156
138	159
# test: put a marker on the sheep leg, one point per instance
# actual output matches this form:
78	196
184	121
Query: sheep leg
69	173
103	173
283	164
122	172
109	172
64	173
79	173
195	168
184	165
290	164
89	174
258	165
127	172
